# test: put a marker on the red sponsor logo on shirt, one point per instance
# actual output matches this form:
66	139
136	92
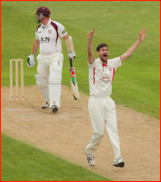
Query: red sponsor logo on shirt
105	77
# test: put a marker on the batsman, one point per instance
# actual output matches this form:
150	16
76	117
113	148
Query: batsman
48	36
101	106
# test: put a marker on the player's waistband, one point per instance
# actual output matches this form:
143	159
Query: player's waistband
50	54
99	97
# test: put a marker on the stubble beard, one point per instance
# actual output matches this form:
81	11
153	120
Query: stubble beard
104	60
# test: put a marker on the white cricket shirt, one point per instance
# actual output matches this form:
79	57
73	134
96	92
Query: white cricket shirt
50	37
101	76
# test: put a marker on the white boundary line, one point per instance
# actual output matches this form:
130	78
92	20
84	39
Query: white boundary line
16	109
84	95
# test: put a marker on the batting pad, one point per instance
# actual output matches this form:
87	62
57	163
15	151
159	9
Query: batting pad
54	87
43	85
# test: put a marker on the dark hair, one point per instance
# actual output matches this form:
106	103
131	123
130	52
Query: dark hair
100	46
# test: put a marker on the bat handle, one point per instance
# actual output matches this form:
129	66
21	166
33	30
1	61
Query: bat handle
71	64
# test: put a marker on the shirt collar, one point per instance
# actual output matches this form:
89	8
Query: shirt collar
103	64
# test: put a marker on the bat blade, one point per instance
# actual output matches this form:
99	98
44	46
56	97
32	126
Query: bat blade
74	85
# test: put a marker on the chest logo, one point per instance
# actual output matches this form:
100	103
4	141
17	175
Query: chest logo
49	31
110	69
45	39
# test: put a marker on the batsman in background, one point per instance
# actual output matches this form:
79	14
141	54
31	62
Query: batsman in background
50	59
101	106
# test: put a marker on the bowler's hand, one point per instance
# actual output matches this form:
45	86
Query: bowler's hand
142	35
71	55
30	60
91	34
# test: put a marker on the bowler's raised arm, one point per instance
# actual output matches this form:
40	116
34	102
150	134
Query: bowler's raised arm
91	57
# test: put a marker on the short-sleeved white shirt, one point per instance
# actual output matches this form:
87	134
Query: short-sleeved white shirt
101	76
50	37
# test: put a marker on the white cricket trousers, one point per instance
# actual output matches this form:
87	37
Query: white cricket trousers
45	61
50	66
103	114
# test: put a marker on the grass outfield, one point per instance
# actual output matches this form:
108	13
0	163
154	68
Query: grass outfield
136	83
21	162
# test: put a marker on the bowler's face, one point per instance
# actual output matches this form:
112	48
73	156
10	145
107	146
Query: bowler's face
103	54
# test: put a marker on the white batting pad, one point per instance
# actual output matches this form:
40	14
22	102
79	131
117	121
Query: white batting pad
43	85
54	87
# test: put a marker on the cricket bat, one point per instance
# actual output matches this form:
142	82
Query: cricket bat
73	81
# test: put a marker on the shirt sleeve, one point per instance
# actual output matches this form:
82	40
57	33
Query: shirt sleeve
116	62
36	32
36	35
61	30
93	64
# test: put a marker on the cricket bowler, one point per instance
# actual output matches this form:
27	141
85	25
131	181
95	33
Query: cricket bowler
101	107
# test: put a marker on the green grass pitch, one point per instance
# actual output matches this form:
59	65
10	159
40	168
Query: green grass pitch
21	162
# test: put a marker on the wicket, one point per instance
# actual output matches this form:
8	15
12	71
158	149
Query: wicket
11	79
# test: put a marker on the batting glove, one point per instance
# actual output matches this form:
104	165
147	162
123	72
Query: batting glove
30	60
71	55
